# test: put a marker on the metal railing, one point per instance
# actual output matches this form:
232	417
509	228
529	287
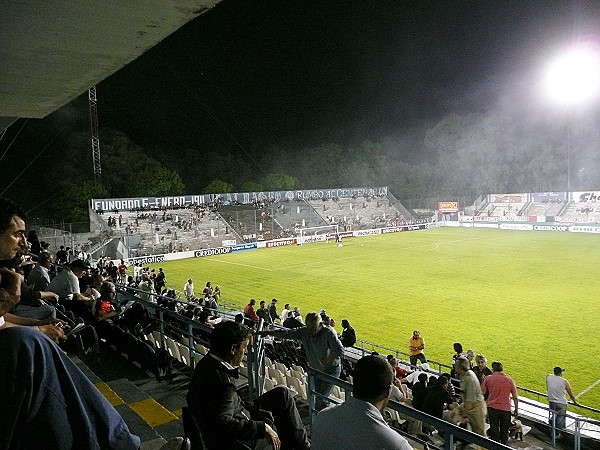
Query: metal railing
364	348
185	328
449	430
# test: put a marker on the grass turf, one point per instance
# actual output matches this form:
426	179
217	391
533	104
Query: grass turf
527	299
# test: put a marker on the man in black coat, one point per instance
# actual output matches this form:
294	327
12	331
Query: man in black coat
348	336
223	417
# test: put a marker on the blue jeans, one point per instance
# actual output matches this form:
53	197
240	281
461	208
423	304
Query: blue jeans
560	411
47	402
325	388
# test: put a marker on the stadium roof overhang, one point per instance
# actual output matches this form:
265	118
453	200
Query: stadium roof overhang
51	51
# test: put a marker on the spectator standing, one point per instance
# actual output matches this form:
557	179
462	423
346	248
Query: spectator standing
122	268
358	423
499	388
160	281
188	289
208	290
62	256
473	404
286	312
437	400
146	287
273	311
557	400
416	345
250	312
419	391
481	369
458	353
348	336
263	313
323	350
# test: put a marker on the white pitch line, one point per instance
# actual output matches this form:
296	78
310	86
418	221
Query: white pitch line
239	264
589	388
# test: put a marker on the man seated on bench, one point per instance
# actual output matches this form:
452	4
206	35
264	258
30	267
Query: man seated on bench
223	418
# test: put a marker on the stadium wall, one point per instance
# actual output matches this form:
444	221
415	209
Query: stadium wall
132	203
156	259
494	222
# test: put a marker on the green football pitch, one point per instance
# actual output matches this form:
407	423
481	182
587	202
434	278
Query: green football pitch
528	299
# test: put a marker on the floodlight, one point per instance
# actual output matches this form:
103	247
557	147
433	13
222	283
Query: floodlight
574	77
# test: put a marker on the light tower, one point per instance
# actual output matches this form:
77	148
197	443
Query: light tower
95	136
573	79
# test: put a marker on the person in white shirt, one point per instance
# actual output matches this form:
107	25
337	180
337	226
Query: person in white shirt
557	400
286	312
188	289
357	423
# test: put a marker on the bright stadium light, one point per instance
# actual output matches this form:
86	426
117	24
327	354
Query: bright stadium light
574	76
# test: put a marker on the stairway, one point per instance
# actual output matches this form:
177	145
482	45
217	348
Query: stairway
152	410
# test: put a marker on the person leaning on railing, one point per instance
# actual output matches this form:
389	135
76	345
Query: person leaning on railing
323	351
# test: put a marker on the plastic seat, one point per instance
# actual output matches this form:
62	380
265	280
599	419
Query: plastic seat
337	393
297	386
277	376
200	348
184	353
172	348
298	368
157	339
281	367
299	375
268	384
150	338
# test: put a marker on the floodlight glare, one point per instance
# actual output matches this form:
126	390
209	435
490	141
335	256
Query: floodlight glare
574	77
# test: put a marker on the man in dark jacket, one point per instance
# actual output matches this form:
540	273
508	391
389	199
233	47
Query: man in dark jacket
348	336
223	417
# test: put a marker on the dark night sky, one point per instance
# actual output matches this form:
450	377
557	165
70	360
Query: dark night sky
310	72
254	74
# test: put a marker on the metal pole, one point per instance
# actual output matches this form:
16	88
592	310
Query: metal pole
311	397
569	159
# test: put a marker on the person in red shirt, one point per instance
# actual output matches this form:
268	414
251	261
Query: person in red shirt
499	388
249	311
122	272
105	309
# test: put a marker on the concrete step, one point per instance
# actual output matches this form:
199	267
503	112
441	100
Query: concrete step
151	409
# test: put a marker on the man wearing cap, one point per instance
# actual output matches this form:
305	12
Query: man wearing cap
499	388
557	400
